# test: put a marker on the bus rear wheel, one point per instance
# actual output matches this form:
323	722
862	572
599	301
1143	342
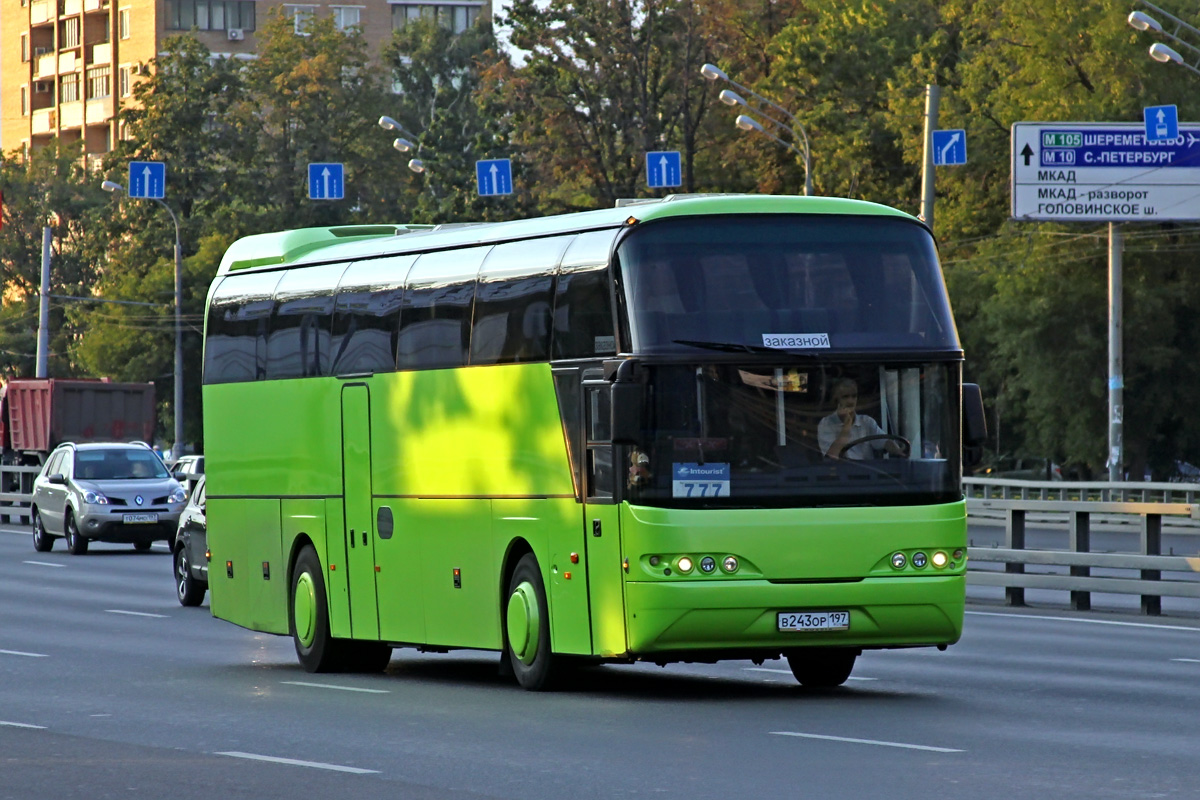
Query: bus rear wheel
527	627
309	616
822	667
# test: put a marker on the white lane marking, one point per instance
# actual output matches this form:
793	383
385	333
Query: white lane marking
1184	660
136	613
902	745
1089	621
44	564
789	672
297	763
22	725
20	653
339	688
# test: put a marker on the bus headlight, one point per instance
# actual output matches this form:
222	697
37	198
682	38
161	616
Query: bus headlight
708	564
919	560
940	559
684	564
899	560
730	564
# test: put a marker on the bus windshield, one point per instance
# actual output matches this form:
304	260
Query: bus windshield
843	283
762	435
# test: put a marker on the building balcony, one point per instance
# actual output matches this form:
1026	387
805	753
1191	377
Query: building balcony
90	6
99	110
44	121
102	53
42	11
45	66
70	8
71	114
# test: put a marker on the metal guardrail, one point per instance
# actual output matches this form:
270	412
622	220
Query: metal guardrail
16	488
1144	505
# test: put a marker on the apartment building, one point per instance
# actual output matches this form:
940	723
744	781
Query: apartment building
68	66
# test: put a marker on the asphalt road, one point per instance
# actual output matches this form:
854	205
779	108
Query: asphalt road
110	689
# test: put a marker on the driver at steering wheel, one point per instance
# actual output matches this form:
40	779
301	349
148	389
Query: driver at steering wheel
845	427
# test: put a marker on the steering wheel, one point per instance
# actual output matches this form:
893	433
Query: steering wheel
903	442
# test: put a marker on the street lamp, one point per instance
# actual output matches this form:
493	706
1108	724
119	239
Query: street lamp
177	447
1161	52
746	123
403	145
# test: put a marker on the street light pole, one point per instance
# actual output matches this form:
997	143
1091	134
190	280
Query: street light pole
1159	51
714	73
177	446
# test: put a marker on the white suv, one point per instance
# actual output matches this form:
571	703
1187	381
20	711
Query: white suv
107	493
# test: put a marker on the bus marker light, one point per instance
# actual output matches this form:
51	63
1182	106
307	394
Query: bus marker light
574	558
708	564
625	564
566	576
958	554
684	564
377	569
229	568
654	561
919	560
208	555
333	567
730	564
940	559
899	560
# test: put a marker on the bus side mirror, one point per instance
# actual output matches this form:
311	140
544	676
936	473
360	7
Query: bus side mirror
974	424
627	408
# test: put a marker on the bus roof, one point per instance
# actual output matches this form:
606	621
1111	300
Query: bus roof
350	242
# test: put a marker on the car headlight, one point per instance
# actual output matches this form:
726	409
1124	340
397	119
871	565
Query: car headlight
95	498
177	496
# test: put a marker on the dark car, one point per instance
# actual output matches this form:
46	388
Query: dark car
191	550
104	492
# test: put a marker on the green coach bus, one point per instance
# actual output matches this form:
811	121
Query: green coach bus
693	429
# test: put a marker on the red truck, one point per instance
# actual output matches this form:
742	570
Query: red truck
38	414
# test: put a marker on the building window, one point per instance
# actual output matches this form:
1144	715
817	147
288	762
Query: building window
24	101
124	22
69	91
99	82
24	47
125	79
70	33
346	17
210	15
455	16
300	15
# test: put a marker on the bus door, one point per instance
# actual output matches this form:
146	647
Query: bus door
356	487
602	521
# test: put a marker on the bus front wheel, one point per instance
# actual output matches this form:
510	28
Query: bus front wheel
527	627
309	615
822	668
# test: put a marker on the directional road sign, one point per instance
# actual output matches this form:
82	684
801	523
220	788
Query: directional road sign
1104	172
664	169
147	179
949	148
494	176
326	182
1162	123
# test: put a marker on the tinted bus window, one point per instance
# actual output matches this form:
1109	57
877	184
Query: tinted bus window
843	282
583	315
298	341
435	321
235	348
367	315
514	302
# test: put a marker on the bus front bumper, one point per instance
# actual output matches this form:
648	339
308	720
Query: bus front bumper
678	616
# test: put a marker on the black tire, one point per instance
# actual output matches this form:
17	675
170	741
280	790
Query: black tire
527	628
365	656
42	541
143	546
76	544
822	668
188	589
316	649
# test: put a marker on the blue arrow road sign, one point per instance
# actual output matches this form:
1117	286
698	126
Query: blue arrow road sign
147	179
949	148
494	176
664	169
326	182
1162	123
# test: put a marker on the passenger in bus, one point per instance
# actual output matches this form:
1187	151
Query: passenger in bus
846	425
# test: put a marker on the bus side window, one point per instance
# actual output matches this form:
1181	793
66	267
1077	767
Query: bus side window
598	415
298	342
236	343
583	313
435	319
513	303
367	316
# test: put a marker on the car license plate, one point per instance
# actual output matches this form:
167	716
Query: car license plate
140	519
814	620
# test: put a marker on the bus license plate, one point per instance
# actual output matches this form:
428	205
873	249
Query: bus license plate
814	620
140	519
